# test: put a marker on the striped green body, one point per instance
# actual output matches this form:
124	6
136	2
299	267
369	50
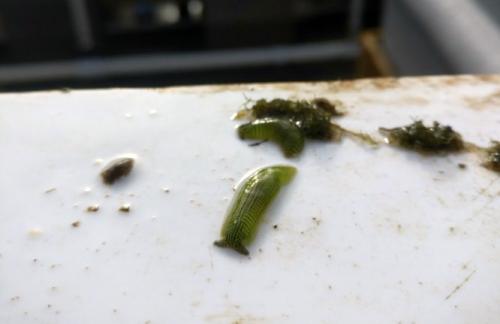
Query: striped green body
249	204
283	132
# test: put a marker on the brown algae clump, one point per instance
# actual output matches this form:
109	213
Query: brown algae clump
418	137
493	157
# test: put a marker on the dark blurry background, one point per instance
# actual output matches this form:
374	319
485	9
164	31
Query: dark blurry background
108	43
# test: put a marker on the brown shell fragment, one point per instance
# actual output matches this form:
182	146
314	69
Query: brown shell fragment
125	208
116	169
93	208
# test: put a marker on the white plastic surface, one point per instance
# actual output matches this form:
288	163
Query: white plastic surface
364	235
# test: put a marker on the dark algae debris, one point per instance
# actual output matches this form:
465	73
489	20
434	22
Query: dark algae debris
283	132
327	106
312	117
418	137
493	157
116	169
250	202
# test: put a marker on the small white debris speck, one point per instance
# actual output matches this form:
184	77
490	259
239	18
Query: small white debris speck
35	232
128	115
98	161
153	112
50	190
87	189
165	189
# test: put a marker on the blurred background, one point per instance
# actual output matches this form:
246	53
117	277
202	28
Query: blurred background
46	44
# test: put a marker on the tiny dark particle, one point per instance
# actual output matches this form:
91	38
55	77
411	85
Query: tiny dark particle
275	226
462	166
124	208
116	169
75	224
93	208
257	143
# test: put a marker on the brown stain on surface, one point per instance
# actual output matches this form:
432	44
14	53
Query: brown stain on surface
489	101
395	101
332	87
385	83
232	316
